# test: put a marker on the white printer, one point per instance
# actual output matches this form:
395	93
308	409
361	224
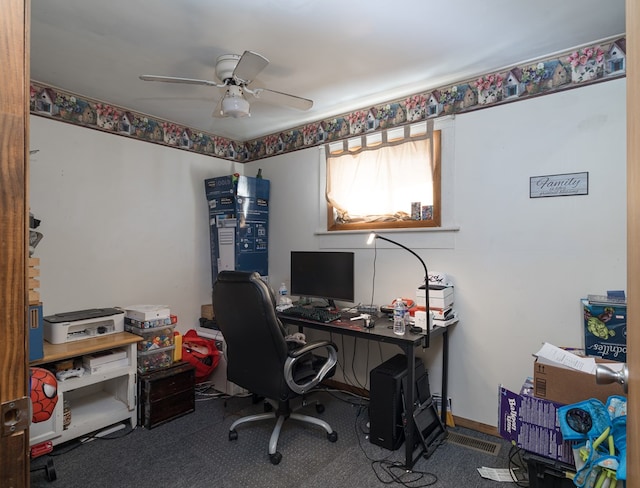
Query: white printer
82	324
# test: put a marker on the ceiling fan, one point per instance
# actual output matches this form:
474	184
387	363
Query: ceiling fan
235	72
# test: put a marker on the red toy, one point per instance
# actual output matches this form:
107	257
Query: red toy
44	394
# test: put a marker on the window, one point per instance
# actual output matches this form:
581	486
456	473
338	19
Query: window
385	180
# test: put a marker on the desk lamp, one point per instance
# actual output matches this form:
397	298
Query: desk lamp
373	236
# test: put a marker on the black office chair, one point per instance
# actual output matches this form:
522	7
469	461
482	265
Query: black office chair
259	358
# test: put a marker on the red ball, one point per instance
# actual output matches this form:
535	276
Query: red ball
44	394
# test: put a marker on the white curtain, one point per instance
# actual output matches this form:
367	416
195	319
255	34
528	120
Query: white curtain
380	183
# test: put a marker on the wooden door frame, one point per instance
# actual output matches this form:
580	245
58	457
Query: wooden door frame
633	239
14	214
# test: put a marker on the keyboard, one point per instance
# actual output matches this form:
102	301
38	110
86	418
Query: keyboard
315	314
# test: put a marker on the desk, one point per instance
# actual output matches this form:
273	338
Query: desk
407	342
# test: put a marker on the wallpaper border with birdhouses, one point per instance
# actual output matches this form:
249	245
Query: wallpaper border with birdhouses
598	62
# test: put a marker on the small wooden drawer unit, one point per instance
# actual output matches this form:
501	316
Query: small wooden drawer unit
166	394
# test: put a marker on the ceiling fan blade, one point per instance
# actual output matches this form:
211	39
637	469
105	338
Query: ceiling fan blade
279	98
173	79
249	66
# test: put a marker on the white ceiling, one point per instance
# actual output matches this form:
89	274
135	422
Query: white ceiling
342	54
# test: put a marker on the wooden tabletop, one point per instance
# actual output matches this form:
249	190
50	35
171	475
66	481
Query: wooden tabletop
57	352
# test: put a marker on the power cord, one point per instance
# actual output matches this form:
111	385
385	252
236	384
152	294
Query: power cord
341	364
70	446
335	393
353	366
516	462
408	478
205	392
385	469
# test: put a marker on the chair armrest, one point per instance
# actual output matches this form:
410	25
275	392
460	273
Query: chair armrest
297	354
310	347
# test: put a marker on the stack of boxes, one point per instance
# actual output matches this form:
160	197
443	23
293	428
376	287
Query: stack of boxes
36	340
440	302
165	384
529	418
155	324
441	305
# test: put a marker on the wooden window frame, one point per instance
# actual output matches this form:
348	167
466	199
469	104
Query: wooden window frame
332	225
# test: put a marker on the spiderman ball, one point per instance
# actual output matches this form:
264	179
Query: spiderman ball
44	394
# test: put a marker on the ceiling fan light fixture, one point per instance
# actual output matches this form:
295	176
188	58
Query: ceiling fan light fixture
234	104
235	72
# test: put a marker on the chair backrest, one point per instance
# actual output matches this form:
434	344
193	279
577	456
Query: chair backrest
244	307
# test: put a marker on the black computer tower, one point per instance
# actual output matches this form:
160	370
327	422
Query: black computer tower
386	384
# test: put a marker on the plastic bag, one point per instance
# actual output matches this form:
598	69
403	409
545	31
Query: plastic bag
202	353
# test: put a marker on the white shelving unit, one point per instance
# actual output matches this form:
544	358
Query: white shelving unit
96	400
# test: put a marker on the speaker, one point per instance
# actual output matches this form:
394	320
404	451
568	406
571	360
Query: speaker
386	384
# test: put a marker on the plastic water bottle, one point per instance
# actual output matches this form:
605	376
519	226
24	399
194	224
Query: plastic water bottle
399	311
282	292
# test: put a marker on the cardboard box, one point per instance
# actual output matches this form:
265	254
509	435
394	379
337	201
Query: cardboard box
101	368
442	313
440	297
421	319
532	424
238	224
143	313
206	311
565	385
102	357
605	330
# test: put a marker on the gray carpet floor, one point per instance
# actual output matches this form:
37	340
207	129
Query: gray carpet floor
194	451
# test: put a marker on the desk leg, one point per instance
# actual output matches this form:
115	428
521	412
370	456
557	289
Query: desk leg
409	407
445	377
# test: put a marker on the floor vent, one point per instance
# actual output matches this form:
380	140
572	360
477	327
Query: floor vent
487	447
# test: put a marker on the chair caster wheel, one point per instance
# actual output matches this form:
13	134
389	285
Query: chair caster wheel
275	458
267	407
333	437
50	471
233	435
319	407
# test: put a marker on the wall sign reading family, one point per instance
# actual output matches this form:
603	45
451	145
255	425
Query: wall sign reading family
559	185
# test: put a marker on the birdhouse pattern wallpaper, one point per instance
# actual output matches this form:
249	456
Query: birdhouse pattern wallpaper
573	69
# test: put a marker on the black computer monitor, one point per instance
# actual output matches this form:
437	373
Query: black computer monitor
327	275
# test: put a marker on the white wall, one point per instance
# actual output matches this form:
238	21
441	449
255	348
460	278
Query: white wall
520	265
126	222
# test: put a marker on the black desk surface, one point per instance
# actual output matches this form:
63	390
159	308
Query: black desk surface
382	331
